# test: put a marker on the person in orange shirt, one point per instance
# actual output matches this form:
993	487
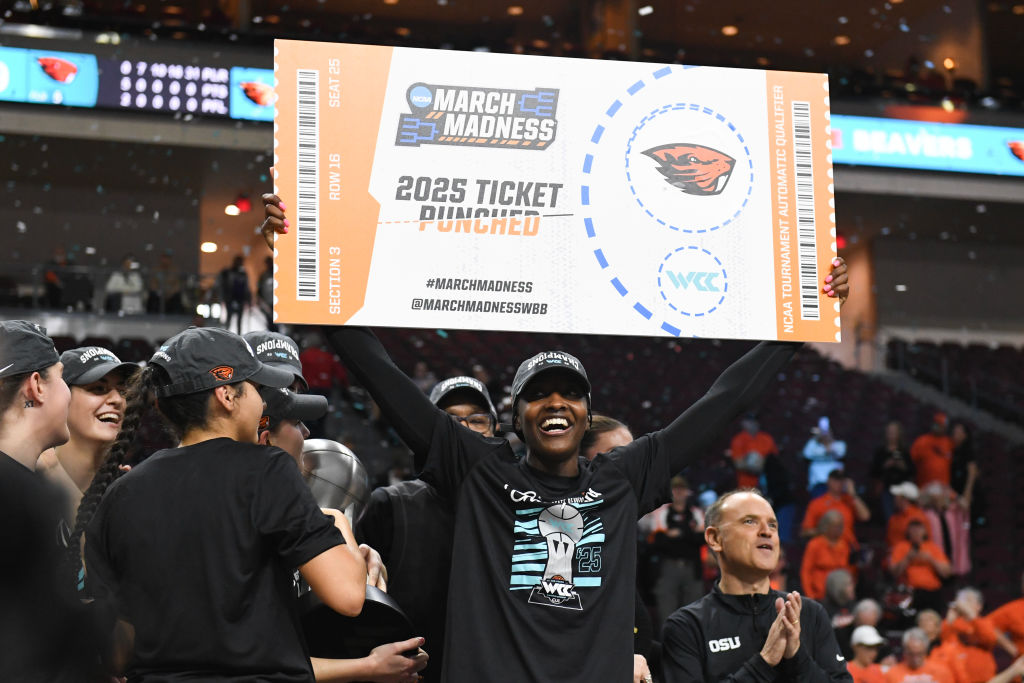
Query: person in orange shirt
865	642
840	494
916	666
823	554
905	509
920	564
748	450
968	639
1008	621
932	453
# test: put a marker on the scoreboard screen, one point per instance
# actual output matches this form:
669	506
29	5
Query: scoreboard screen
86	80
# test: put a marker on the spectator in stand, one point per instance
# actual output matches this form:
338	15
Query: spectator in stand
865	642
824	553
930	621
677	539
963	476
423	376
323	372
265	293
54	276
932	453
904	498
824	454
867	612
921	565
1011	674
916	666
967	639
891	466
235	292
749	450
1008	621
125	288
949	525
841	495
840	595
165	288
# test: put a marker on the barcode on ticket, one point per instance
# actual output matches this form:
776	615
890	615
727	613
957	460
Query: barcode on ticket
308	189
807	252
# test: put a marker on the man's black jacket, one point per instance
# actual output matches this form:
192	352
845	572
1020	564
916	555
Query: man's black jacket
719	638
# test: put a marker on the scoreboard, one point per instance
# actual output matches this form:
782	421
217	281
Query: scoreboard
79	79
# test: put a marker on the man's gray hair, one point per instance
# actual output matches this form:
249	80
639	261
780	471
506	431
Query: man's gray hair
866	605
917	634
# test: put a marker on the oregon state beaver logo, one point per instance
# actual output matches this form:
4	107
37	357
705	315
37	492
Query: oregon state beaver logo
694	169
1016	148
60	70
224	373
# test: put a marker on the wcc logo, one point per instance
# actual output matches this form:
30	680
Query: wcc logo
701	282
478	117
692	281
694	169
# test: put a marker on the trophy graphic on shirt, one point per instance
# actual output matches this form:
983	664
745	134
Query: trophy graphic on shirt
561	525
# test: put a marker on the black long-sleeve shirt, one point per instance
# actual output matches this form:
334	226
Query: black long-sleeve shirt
543	567
719	638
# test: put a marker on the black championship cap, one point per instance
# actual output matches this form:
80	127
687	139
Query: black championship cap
89	363
277	351
543	362
284	404
24	347
202	358
445	387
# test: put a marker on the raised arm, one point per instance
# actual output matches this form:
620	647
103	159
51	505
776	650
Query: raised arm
737	389
408	410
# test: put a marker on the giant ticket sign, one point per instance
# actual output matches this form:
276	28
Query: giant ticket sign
504	192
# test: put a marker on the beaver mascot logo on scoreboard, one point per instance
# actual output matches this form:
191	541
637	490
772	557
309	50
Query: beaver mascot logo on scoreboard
694	169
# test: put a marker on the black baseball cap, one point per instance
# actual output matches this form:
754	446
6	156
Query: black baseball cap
89	363
24	347
285	404
546	361
277	351
202	358
447	386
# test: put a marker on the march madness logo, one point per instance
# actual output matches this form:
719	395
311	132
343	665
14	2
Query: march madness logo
478	117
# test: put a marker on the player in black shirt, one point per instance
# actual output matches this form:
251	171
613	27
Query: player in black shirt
44	630
413	526
543	566
195	547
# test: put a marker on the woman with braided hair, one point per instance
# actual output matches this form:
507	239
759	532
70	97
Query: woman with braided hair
194	548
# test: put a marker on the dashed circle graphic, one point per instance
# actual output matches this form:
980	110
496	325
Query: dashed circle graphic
744	169
590	223
692	281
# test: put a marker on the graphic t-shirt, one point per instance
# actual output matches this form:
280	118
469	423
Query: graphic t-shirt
195	548
557	557
543	567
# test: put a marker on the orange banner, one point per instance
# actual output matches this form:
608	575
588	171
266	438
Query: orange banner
327	169
802	197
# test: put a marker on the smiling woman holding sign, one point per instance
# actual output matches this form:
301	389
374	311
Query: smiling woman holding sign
543	567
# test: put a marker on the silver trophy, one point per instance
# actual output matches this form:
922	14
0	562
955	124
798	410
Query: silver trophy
335	476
